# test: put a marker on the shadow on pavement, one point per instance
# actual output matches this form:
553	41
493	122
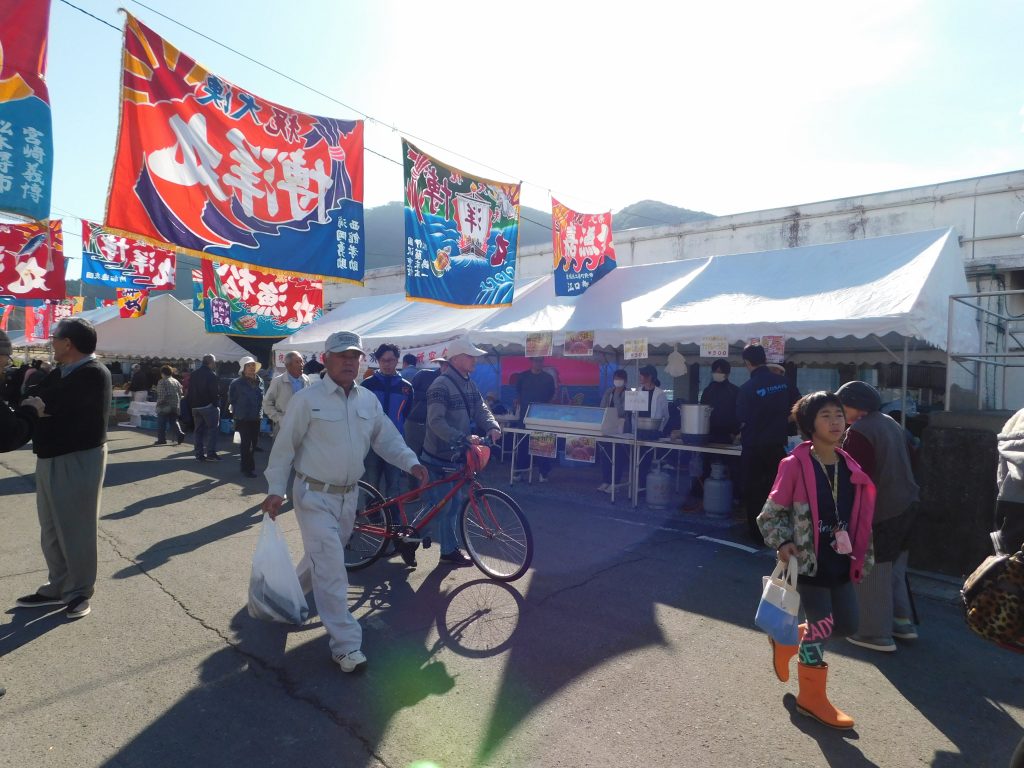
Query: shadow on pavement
172	497
835	745
29	624
161	552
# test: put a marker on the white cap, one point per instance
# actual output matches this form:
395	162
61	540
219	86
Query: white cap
462	346
246	360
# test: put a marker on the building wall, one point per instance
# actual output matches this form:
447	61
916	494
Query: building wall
983	211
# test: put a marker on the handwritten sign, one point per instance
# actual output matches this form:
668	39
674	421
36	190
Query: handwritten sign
634	349
714	346
636	400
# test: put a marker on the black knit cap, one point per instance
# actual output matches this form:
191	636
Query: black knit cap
859	395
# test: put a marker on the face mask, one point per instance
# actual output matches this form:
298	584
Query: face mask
718	376
620	382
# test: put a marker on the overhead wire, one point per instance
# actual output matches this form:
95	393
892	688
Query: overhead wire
356	110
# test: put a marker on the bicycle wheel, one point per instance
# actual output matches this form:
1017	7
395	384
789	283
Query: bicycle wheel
370	533
496	534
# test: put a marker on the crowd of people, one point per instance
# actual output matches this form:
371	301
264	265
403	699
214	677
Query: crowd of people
842	503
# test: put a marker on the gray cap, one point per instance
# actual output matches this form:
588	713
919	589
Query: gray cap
5	344
859	395
343	341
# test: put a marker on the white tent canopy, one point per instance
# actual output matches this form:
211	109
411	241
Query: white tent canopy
893	288
168	329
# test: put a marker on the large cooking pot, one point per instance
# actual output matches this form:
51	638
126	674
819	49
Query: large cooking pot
647	423
695	419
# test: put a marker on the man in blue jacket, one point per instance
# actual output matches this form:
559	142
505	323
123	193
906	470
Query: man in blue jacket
763	405
395	395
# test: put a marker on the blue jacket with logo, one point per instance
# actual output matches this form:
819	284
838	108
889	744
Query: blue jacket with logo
395	395
763	405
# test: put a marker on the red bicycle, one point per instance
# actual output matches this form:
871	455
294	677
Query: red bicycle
494	528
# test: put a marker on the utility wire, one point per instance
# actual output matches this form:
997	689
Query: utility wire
361	113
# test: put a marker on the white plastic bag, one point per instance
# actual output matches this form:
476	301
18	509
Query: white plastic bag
237	439
274	591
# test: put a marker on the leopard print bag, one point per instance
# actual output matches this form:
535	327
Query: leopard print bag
993	599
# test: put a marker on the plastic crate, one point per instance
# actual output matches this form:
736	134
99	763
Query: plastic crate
148	422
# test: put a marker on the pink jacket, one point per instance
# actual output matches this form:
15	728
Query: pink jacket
795	491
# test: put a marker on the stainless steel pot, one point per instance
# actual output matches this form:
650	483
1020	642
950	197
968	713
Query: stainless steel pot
647	423
695	419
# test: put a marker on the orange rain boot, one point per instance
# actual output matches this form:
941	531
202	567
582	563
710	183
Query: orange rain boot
812	700
783	654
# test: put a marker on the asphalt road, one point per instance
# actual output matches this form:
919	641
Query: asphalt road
630	643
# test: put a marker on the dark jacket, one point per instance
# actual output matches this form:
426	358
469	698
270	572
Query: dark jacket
721	396
77	407
534	388
880	447
394	393
16	426
763	405
203	388
246	399
420	384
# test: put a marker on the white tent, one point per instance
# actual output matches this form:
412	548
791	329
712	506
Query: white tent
168	329
851	299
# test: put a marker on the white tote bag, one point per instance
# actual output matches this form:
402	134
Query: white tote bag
779	609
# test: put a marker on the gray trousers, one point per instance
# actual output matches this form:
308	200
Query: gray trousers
68	490
874	596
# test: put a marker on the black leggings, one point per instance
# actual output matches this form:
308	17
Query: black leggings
829	611
249	432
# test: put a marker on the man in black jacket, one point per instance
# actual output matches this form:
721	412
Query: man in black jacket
204	398
70	444
762	408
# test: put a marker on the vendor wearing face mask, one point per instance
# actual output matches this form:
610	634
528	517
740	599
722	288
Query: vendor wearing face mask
721	394
614	398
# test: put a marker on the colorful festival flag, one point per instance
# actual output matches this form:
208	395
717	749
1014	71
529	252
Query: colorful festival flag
37	323
26	140
583	248
122	262
132	303
106	303
77	304
6	317
205	165
198	302
32	261
461	234
245	302
62	309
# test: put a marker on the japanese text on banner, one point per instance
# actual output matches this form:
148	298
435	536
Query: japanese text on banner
583	249
121	262
461	234
32	261
26	141
243	301
206	165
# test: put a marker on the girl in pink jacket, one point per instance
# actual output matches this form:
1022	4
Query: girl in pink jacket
820	511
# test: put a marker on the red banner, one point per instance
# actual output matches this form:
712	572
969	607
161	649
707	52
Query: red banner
243	301
132	303
117	261
32	263
583	250
6	318
206	165
37	323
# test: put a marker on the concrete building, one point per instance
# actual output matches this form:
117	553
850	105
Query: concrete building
983	211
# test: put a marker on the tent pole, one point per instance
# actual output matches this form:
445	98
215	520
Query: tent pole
903	398
949	353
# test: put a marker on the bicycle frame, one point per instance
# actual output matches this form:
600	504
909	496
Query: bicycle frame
459	480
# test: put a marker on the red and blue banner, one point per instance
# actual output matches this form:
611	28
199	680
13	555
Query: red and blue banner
210	167
461	234
26	140
132	304
198	303
37	323
117	261
244	302
32	261
583	248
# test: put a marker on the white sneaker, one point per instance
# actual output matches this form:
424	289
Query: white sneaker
350	661
603	487
542	478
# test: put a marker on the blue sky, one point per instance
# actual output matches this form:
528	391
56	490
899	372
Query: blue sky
735	107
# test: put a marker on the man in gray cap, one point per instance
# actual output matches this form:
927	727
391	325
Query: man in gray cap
456	412
327	431
878	444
